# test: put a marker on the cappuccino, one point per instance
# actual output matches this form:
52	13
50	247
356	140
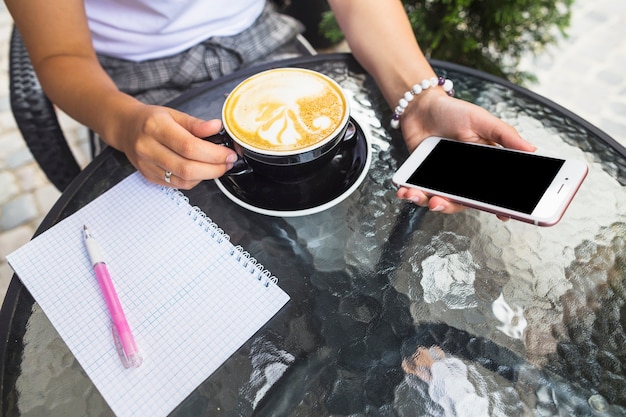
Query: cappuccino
285	109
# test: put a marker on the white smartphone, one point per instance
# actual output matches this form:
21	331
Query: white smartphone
520	185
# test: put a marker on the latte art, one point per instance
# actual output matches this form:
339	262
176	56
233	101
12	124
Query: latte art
282	125
285	110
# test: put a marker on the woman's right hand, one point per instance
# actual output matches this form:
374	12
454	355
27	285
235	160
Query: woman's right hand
157	139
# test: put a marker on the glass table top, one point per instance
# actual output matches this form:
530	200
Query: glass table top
394	311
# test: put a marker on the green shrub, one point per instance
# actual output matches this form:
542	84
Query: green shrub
489	35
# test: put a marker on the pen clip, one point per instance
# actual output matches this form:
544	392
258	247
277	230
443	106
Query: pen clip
119	347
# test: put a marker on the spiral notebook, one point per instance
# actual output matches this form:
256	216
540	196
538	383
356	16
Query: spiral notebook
191	297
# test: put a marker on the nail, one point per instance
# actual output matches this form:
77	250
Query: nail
231	158
440	207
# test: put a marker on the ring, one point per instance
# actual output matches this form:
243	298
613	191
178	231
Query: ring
168	177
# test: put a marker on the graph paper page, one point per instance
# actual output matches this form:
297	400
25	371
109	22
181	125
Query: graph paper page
189	301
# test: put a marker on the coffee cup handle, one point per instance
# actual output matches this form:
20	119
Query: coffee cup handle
350	132
240	166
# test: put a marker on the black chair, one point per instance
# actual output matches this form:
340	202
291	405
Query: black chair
37	120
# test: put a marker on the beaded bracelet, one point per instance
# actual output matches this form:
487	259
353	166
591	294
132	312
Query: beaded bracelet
417	89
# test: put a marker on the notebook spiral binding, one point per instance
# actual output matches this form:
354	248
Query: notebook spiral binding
199	217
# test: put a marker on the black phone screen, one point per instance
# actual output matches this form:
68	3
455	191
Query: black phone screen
512	180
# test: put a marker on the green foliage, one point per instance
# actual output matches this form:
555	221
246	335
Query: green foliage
489	35
329	27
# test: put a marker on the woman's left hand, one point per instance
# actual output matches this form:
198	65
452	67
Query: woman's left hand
437	114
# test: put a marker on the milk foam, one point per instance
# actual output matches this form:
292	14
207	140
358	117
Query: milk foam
285	110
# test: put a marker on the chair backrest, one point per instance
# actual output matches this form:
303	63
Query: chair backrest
37	120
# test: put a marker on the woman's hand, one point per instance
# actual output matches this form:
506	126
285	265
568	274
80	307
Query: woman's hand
158	139
437	114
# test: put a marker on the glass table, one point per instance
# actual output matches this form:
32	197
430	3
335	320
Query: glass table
394	311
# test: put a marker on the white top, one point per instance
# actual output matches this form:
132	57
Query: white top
138	30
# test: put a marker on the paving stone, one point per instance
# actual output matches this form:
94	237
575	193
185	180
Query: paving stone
618	130
19	158
7	121
18	211
5	277
45	197
10	241
582	73
8	187
10	141
30	177
14	238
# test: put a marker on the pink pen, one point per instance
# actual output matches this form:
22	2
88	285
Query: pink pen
122	336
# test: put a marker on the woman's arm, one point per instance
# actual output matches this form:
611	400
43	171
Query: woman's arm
381	38
155	139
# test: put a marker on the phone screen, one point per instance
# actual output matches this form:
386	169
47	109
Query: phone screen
512	180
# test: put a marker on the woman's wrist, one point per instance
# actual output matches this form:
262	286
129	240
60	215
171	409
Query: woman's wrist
416	90
112	124
428	115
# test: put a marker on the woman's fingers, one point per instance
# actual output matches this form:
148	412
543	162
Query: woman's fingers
435	203
166	146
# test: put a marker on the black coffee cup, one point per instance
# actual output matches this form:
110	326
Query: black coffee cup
285	123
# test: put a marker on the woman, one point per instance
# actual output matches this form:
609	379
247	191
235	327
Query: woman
108	65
